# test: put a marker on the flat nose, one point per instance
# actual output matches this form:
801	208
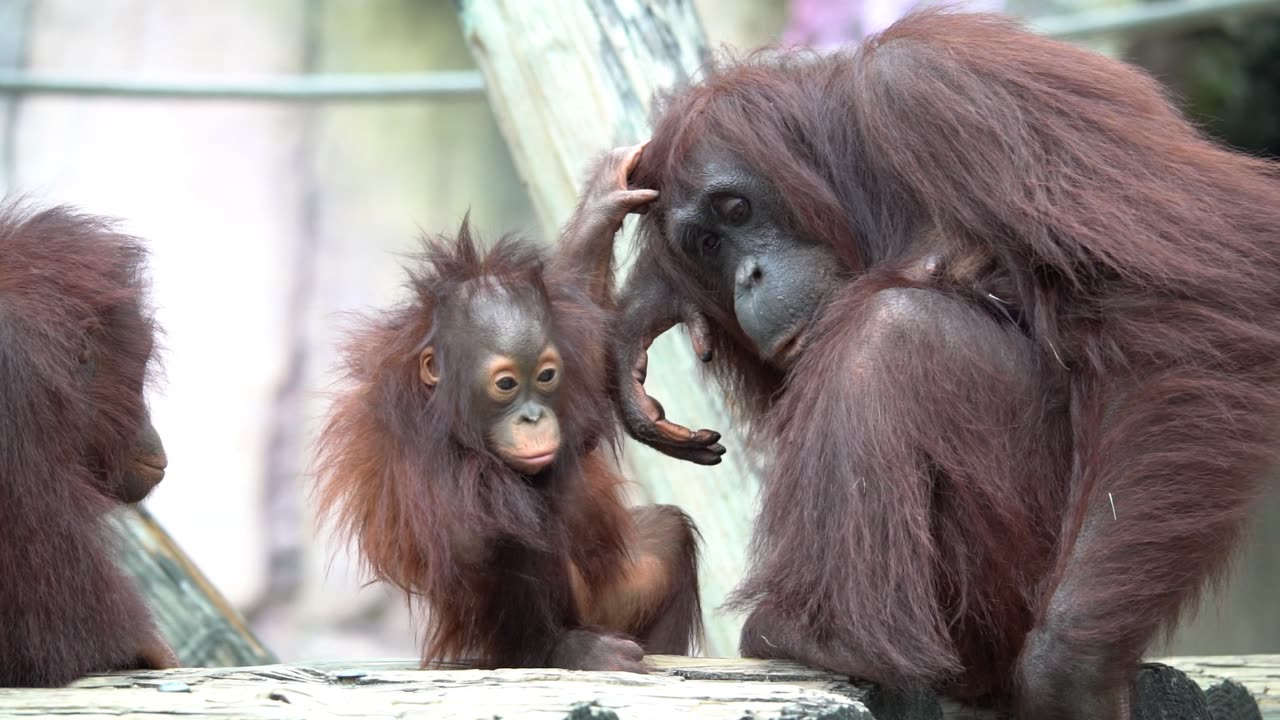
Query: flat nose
531	413
749	274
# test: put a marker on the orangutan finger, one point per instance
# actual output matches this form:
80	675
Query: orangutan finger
635	199
699	330
632	160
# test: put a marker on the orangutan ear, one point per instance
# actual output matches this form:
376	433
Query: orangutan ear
428	370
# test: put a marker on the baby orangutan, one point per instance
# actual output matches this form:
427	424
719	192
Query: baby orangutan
471	458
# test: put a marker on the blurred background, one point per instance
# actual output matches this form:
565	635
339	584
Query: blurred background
269	220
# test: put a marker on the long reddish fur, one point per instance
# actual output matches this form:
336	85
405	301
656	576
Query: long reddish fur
404	473
68	283
1143	261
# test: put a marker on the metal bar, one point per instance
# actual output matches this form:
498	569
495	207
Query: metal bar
305	88
1164	15
444	85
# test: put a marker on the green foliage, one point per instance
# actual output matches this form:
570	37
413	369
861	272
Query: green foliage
1228	78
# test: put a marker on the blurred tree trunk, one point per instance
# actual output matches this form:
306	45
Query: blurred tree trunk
742	26
203	629
567	80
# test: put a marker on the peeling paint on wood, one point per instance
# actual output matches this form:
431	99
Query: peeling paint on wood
726	689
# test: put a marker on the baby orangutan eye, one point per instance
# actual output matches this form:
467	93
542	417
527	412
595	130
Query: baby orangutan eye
547	375
506	384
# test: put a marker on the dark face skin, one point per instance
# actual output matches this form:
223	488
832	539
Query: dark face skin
148	460
148	466
734	228
514	371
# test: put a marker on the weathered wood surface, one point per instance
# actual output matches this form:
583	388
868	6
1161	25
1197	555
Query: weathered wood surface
200	625
682	687
731	689
1260	674
567	80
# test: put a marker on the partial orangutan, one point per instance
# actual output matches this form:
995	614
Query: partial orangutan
76	440
471	460
1010	329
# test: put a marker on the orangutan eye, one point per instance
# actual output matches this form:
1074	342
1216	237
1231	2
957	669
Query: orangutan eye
547	375
732	210
506	384
710	242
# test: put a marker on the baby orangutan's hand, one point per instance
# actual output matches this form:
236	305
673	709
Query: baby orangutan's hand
583	649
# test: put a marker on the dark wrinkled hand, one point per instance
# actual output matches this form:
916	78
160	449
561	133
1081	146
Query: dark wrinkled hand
155	654
606	200
754	641
774	634
588	650
645	418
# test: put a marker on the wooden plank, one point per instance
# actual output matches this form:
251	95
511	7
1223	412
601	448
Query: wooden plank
389	689
1260	674
567	80
728	689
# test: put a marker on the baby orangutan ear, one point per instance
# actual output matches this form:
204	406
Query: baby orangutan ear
427	369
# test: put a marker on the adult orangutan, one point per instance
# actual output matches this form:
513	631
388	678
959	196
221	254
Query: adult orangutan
1010	328
471	458
76	440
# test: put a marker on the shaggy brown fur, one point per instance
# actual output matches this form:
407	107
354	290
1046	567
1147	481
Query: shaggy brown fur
1032	426
76	339
507	565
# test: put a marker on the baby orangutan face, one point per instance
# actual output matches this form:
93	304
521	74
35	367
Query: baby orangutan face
503	344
